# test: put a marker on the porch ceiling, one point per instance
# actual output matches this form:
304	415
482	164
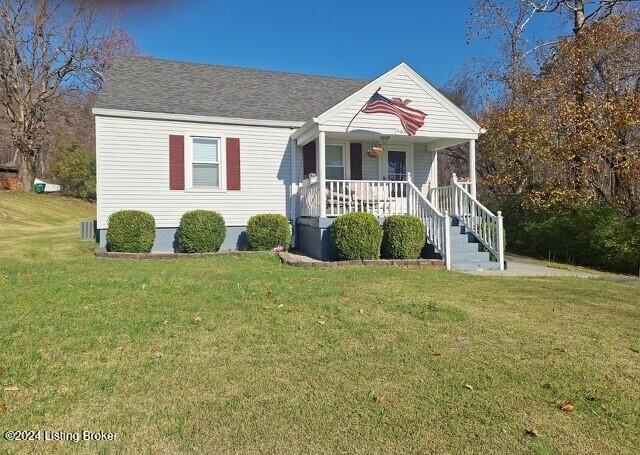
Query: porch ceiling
367	136
311	130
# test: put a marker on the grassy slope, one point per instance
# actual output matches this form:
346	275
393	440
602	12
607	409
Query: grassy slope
292	360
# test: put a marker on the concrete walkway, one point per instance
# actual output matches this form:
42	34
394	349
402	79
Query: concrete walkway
523	266
517	266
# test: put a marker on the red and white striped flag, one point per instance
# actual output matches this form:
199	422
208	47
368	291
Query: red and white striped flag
412	119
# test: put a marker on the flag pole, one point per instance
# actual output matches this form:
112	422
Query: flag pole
360	110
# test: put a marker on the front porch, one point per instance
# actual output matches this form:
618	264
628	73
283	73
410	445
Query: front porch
458	228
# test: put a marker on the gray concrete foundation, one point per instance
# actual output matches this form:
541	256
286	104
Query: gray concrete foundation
167	241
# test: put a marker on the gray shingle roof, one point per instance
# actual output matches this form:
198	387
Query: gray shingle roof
153	85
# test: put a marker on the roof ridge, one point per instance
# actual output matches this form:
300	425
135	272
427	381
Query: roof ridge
244	68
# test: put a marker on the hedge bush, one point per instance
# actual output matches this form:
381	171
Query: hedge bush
267	231
581	233
131	231
403	238
356	236
201	231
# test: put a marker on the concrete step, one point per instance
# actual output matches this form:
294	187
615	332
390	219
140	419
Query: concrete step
454	234
470	266
470	256
466	247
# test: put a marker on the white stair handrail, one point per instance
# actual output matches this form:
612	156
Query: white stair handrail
436	224
479	220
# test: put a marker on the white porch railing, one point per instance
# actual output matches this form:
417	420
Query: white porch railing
380	197
309	199
442	196
479	220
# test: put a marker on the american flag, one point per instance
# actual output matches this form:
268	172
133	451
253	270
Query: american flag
411	119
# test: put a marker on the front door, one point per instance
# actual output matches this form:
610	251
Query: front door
397	170
396	165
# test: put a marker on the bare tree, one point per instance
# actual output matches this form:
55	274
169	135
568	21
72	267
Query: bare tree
47	48
512	20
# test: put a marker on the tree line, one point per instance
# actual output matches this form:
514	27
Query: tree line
561	107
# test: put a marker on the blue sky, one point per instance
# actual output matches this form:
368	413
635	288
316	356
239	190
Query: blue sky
351	38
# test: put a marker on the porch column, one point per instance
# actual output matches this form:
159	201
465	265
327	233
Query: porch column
294	190
321	174
472	166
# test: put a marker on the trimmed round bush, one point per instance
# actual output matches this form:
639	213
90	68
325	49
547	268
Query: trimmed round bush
201	231
356	236
268	231
403	238
131	231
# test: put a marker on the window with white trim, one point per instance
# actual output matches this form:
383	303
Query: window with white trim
334	162
205	162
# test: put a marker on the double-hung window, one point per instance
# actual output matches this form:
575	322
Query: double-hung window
205	162
334	162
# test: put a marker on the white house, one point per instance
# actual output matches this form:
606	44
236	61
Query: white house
174	136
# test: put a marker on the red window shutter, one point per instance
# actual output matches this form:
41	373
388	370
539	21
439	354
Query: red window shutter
176	162
309	159
233	163
355	160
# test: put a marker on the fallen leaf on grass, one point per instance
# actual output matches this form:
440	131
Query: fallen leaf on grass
3	407
437	354
158	355
197	320
379	398
321	322
568	407
531	432
344	300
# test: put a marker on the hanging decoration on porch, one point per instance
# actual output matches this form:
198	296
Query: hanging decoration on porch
411	119
377	149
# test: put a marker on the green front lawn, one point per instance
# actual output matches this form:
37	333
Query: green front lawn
243	354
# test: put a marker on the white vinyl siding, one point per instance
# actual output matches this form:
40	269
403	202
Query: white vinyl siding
440	120
133	170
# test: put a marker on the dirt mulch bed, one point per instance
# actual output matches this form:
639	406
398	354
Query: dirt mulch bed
299	260
103	253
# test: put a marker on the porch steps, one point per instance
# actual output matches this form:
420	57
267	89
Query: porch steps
467	253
